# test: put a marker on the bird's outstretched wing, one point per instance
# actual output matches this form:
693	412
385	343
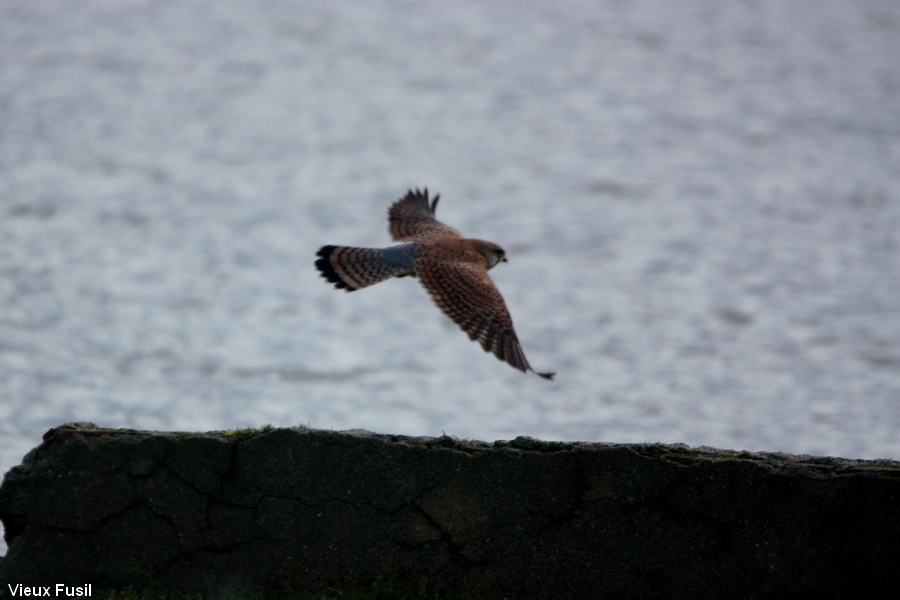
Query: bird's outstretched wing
466	294
412	217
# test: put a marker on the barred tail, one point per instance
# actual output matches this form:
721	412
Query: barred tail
354	268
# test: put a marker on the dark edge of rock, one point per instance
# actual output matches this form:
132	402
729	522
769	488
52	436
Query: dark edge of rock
283	511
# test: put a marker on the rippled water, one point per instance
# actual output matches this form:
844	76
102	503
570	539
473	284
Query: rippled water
700	202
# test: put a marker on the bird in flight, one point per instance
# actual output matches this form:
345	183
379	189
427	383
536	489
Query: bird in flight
453	269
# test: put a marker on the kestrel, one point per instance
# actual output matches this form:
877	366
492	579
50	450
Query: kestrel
453	269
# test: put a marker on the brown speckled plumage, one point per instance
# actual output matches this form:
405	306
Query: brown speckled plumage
452	269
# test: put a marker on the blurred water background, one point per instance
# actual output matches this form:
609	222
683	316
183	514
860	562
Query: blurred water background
700	201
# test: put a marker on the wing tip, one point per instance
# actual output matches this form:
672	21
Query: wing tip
421	196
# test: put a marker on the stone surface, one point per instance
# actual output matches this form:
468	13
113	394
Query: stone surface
289	510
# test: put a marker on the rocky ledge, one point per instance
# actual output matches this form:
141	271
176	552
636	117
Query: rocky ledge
284	511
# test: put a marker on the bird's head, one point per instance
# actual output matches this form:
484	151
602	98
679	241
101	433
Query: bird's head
493	254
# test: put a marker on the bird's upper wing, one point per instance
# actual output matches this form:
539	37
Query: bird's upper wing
466	294
412	217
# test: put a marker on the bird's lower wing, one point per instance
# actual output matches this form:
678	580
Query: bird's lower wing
467	295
